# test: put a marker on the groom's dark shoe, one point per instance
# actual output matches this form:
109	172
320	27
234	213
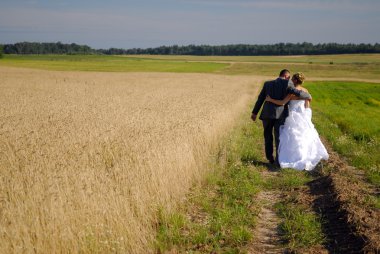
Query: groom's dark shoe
271	160
277	163
272	165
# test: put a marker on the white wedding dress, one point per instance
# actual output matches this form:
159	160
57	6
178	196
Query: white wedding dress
300	147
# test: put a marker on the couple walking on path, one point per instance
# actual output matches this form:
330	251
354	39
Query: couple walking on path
286	112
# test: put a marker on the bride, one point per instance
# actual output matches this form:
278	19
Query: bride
300	147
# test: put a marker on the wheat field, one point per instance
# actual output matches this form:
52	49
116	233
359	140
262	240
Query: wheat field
87	159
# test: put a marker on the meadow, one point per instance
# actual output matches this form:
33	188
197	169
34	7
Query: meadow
356	66
309	59
365	67
347	114
106	64
147	154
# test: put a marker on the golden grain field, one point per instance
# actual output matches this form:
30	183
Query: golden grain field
87	159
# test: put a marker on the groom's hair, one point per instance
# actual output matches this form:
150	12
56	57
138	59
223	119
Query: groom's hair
283	72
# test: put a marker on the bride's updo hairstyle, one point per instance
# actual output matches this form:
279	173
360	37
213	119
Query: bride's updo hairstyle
298	78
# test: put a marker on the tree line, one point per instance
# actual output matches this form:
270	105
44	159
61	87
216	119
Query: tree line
304	48
46	48
253	50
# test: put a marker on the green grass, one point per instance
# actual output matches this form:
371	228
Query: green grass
349	70
107	63
359	66
364	66
321	59
347	114
222	209
288	180
300	228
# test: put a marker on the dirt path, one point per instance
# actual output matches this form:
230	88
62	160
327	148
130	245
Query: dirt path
267	238
347	189
340	235
338	194
350	225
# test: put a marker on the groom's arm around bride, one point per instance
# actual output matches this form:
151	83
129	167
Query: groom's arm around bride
277	89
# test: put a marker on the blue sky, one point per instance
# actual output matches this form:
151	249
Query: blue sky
151	23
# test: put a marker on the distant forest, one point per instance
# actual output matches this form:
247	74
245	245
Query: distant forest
200	50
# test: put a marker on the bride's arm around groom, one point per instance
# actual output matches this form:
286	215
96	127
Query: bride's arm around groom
277	89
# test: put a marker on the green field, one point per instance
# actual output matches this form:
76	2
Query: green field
106	64
360	66
347	114
321	59
331	71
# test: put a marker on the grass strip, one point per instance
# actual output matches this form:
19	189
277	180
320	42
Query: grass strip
300	229
364	66
288	180
107	64
220	214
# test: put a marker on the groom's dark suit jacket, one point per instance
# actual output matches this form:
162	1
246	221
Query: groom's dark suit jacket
277	89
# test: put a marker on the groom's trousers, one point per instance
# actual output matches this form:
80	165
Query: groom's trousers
272	126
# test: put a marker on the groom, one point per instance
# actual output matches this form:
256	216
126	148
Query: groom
273	116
